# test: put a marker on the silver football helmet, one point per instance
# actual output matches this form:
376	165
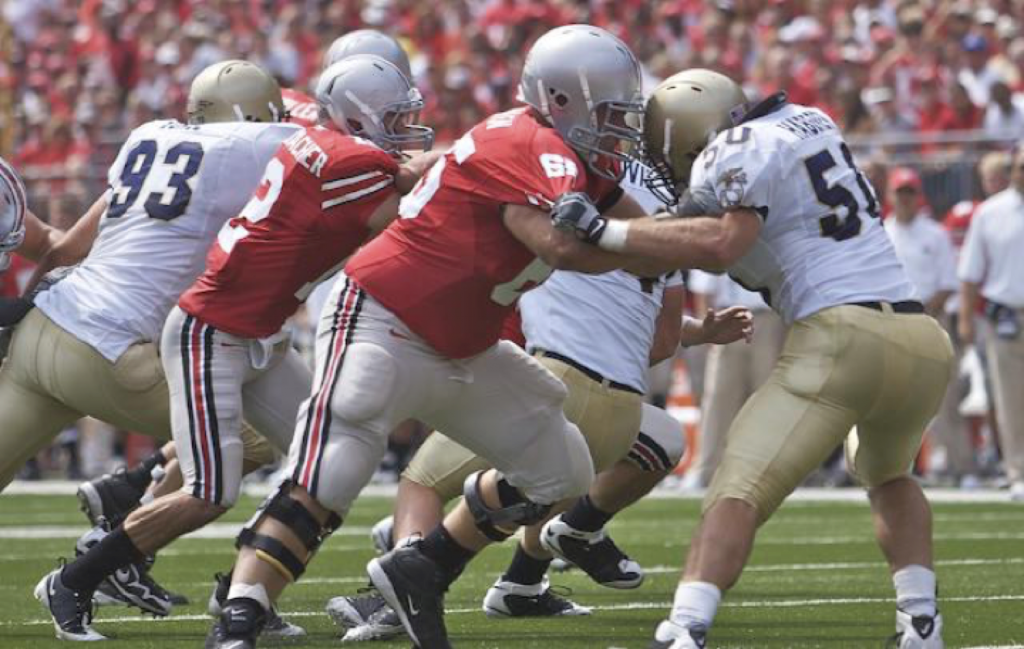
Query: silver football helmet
586	83
13	205
366	96
369	41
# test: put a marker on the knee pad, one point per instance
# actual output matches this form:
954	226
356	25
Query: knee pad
660	445
516	510
293	514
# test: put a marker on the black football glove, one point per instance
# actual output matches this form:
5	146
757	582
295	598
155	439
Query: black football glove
574	212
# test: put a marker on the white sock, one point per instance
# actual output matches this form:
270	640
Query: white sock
695	604
915	590
252	591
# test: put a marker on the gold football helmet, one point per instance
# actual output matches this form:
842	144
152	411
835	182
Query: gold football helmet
234	91
683	114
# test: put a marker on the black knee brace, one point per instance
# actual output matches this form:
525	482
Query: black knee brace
516	509
292	513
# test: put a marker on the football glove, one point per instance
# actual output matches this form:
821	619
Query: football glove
575	213
697	202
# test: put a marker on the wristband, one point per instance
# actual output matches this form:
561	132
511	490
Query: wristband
614	236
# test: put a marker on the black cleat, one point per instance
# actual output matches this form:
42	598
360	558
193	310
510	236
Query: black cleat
413	585
276	626
71	611
241	621
593	552
111	497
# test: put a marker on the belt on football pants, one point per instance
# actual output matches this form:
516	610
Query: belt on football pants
615	385
910	306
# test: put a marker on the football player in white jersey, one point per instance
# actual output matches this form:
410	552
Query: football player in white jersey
172	187
631	323
114	496
795	218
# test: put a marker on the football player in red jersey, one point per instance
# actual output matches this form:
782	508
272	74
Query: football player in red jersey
415	329
113	496
302	109
327	189
21	231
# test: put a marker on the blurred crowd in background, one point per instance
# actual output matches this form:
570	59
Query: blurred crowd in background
934	86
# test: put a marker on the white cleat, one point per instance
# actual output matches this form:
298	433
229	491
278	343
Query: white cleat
670	635
382	535
509	599
921	632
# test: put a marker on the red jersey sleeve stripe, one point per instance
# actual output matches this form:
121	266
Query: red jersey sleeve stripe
351	180
356	195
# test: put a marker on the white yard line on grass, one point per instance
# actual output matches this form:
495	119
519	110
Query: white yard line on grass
780	603
808	495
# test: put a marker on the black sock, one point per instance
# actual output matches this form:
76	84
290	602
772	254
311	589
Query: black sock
526	570
585	516
142	475
446	552
115	551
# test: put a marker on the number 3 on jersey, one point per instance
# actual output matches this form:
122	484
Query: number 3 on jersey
166	202
258	207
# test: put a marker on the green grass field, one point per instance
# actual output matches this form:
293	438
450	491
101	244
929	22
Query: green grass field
816	580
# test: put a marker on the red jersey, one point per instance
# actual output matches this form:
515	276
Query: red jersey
308	214
301	107
15	278
449	268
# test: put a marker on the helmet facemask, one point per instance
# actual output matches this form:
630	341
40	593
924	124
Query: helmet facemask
611	138
13	205
394	128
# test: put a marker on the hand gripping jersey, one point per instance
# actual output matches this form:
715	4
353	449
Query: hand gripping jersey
605	322
172	187
449	268
308	214
822	243
302	108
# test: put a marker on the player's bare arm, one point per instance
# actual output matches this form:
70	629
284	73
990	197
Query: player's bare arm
73	246
40	238
558	249
667	331
410	172
665	244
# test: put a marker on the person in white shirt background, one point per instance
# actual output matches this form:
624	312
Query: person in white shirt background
958	426
733	372
926	251
992	266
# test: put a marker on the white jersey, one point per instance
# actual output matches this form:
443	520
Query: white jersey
822	244
172	187
605	322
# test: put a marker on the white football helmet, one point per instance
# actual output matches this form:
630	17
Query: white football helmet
366	96
13	205
586	83
369	41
